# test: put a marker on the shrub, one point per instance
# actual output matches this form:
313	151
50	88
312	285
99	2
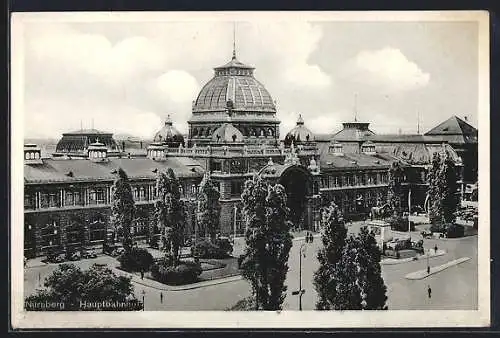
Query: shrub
184	273
454	231
245	304
438	227
451	230
220	248
240	260
137	259
401	224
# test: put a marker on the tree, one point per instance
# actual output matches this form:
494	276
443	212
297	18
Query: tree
84	290
373	286
443	197
434	189
347	295
395	190
449	197
170	213
333	237
208	212
123	208
268	242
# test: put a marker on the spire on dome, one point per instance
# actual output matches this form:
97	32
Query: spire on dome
300	121
234	40
168	121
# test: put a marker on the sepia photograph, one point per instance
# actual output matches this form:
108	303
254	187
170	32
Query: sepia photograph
250	169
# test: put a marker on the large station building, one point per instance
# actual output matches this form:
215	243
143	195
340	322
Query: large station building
233	135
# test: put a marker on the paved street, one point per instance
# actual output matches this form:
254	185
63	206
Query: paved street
453	288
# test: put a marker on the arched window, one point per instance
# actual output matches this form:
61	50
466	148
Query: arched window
141	193
270	132
37	156
26	156
32	156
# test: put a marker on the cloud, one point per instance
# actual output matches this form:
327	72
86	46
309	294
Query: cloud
156	68
387	68
178	85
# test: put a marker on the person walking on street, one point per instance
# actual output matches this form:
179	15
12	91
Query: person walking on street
435	248
429	291
142	274
161	297
428	269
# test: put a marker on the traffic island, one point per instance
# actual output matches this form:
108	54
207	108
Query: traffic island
421	274
392	261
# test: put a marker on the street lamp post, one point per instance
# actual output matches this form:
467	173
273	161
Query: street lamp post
428	266
235	213
143	300
301	291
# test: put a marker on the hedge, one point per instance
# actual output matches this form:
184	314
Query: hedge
137	259
185	272
450	230
220	248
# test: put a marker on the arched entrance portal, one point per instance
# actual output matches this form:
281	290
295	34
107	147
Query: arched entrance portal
298	186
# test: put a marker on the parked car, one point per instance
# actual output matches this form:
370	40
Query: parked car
117	252
56	257
426	234
73	256
85	253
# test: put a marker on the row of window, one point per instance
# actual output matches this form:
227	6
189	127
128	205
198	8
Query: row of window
75	233
233	71
97	196
347	180
263	132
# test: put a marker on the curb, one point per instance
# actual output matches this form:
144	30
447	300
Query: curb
455	239
190	286
392	261
421	274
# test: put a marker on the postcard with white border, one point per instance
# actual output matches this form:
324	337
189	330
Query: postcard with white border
250	170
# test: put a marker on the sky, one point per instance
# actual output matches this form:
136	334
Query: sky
126	77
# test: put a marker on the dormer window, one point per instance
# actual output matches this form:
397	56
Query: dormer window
336	149
32	154
368	148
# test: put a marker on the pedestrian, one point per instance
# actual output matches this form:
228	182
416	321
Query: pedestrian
311	238
428	270
435	248
429	291
161	297
142	274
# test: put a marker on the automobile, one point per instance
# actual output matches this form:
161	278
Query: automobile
74	256
56	258
426	234
88	253
117	252
438	235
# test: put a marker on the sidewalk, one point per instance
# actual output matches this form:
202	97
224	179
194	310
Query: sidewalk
34	263
421	274
392	261
160	286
